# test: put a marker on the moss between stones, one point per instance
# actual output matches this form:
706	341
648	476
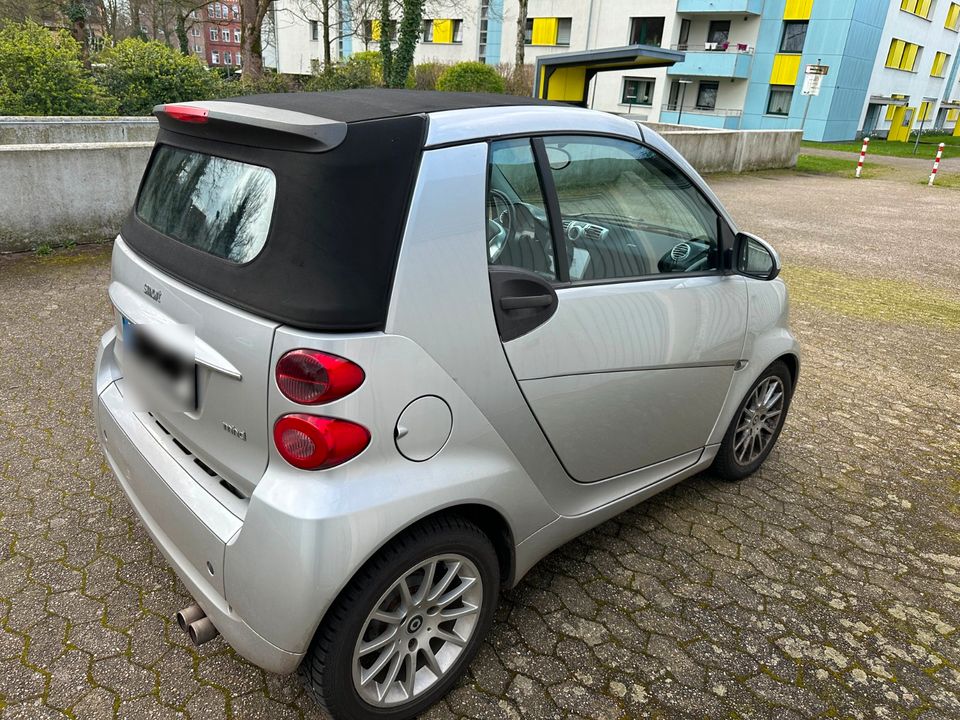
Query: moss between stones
895	301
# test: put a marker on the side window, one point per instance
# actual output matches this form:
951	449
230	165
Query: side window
518	230
628	212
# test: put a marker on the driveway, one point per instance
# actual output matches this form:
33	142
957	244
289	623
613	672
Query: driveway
826	585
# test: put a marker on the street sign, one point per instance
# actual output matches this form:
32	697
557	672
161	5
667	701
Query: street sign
811	84
812	77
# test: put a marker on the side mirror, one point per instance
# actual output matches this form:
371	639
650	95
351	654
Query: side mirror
756	257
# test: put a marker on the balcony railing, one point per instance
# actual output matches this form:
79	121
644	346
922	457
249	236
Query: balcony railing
698	110
719	60
750	7
715	47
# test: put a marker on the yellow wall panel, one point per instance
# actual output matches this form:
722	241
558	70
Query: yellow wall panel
798	10
952	115
567	84
785	70
953	17
895	54
909	57
443	31
544	31
923	8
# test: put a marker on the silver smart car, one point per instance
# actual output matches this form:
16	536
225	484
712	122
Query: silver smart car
378	352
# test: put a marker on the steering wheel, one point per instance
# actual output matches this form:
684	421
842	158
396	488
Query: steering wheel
502	227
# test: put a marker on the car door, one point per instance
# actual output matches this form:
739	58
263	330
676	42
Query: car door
616	316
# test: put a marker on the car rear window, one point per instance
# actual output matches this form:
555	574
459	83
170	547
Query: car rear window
219	206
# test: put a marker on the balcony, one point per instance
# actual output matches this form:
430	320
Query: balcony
714	61
721	118
704	7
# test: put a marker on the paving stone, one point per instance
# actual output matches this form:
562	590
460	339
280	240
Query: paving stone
827	583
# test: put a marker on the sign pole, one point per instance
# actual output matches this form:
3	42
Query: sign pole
812	76
936	165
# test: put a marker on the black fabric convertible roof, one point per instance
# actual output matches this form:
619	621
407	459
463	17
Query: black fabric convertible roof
339	214
378	103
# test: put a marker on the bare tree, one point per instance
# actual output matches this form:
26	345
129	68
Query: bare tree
252	14
521	33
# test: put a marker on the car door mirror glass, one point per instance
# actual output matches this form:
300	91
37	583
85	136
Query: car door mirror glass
557	157
757	258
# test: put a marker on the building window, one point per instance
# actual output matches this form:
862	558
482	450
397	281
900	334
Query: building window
637	91
794	33
719	32
926	110
228	58
780	98
902	55
214	58
443	30
953	17
213	34
917	7
225	34
548	31
371	30
236	36
218	10
939	68
314	30
646	31
195	31
236	12
707	96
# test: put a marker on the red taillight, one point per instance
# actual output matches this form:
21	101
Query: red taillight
311	442
310	377
186	113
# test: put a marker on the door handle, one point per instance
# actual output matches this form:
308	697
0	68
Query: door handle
526	301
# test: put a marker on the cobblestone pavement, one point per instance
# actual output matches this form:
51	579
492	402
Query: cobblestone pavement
828	584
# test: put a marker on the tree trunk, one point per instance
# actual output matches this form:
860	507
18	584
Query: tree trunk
325	15
521	35
182	32
252	13
135	22
407	39
386	49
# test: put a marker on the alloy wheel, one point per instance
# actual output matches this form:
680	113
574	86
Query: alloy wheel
417	630
758	421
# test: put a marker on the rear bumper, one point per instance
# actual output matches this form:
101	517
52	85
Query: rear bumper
189	527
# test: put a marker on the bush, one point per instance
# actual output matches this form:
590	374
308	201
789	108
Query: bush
41	74
518	80
270	82
471	77
143	74
426	74
361	70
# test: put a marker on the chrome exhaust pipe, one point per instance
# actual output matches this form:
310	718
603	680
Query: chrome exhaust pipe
202	630
189	615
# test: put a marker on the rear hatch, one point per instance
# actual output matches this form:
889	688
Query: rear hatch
247	218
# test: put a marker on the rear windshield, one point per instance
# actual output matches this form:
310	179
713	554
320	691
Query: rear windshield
222	207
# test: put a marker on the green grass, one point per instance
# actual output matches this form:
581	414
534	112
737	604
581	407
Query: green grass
895	301
945	180
927	149
840	167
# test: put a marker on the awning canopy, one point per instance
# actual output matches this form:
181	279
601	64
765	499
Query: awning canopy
566	77
888	100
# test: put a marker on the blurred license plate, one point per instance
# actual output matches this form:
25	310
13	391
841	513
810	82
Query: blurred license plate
159	365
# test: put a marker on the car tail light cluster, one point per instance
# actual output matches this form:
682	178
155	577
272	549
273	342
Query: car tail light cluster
314	442
186	113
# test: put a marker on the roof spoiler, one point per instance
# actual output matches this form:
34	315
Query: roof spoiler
256	125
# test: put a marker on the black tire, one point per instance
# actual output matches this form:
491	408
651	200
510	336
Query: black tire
328	666
726	464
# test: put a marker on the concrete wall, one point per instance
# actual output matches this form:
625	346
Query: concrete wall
711	150
16	130
54	190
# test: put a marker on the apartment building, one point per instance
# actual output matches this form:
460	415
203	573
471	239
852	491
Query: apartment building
215	35
293	35
892	63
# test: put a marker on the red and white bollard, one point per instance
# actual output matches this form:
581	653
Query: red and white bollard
863	154
936	164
